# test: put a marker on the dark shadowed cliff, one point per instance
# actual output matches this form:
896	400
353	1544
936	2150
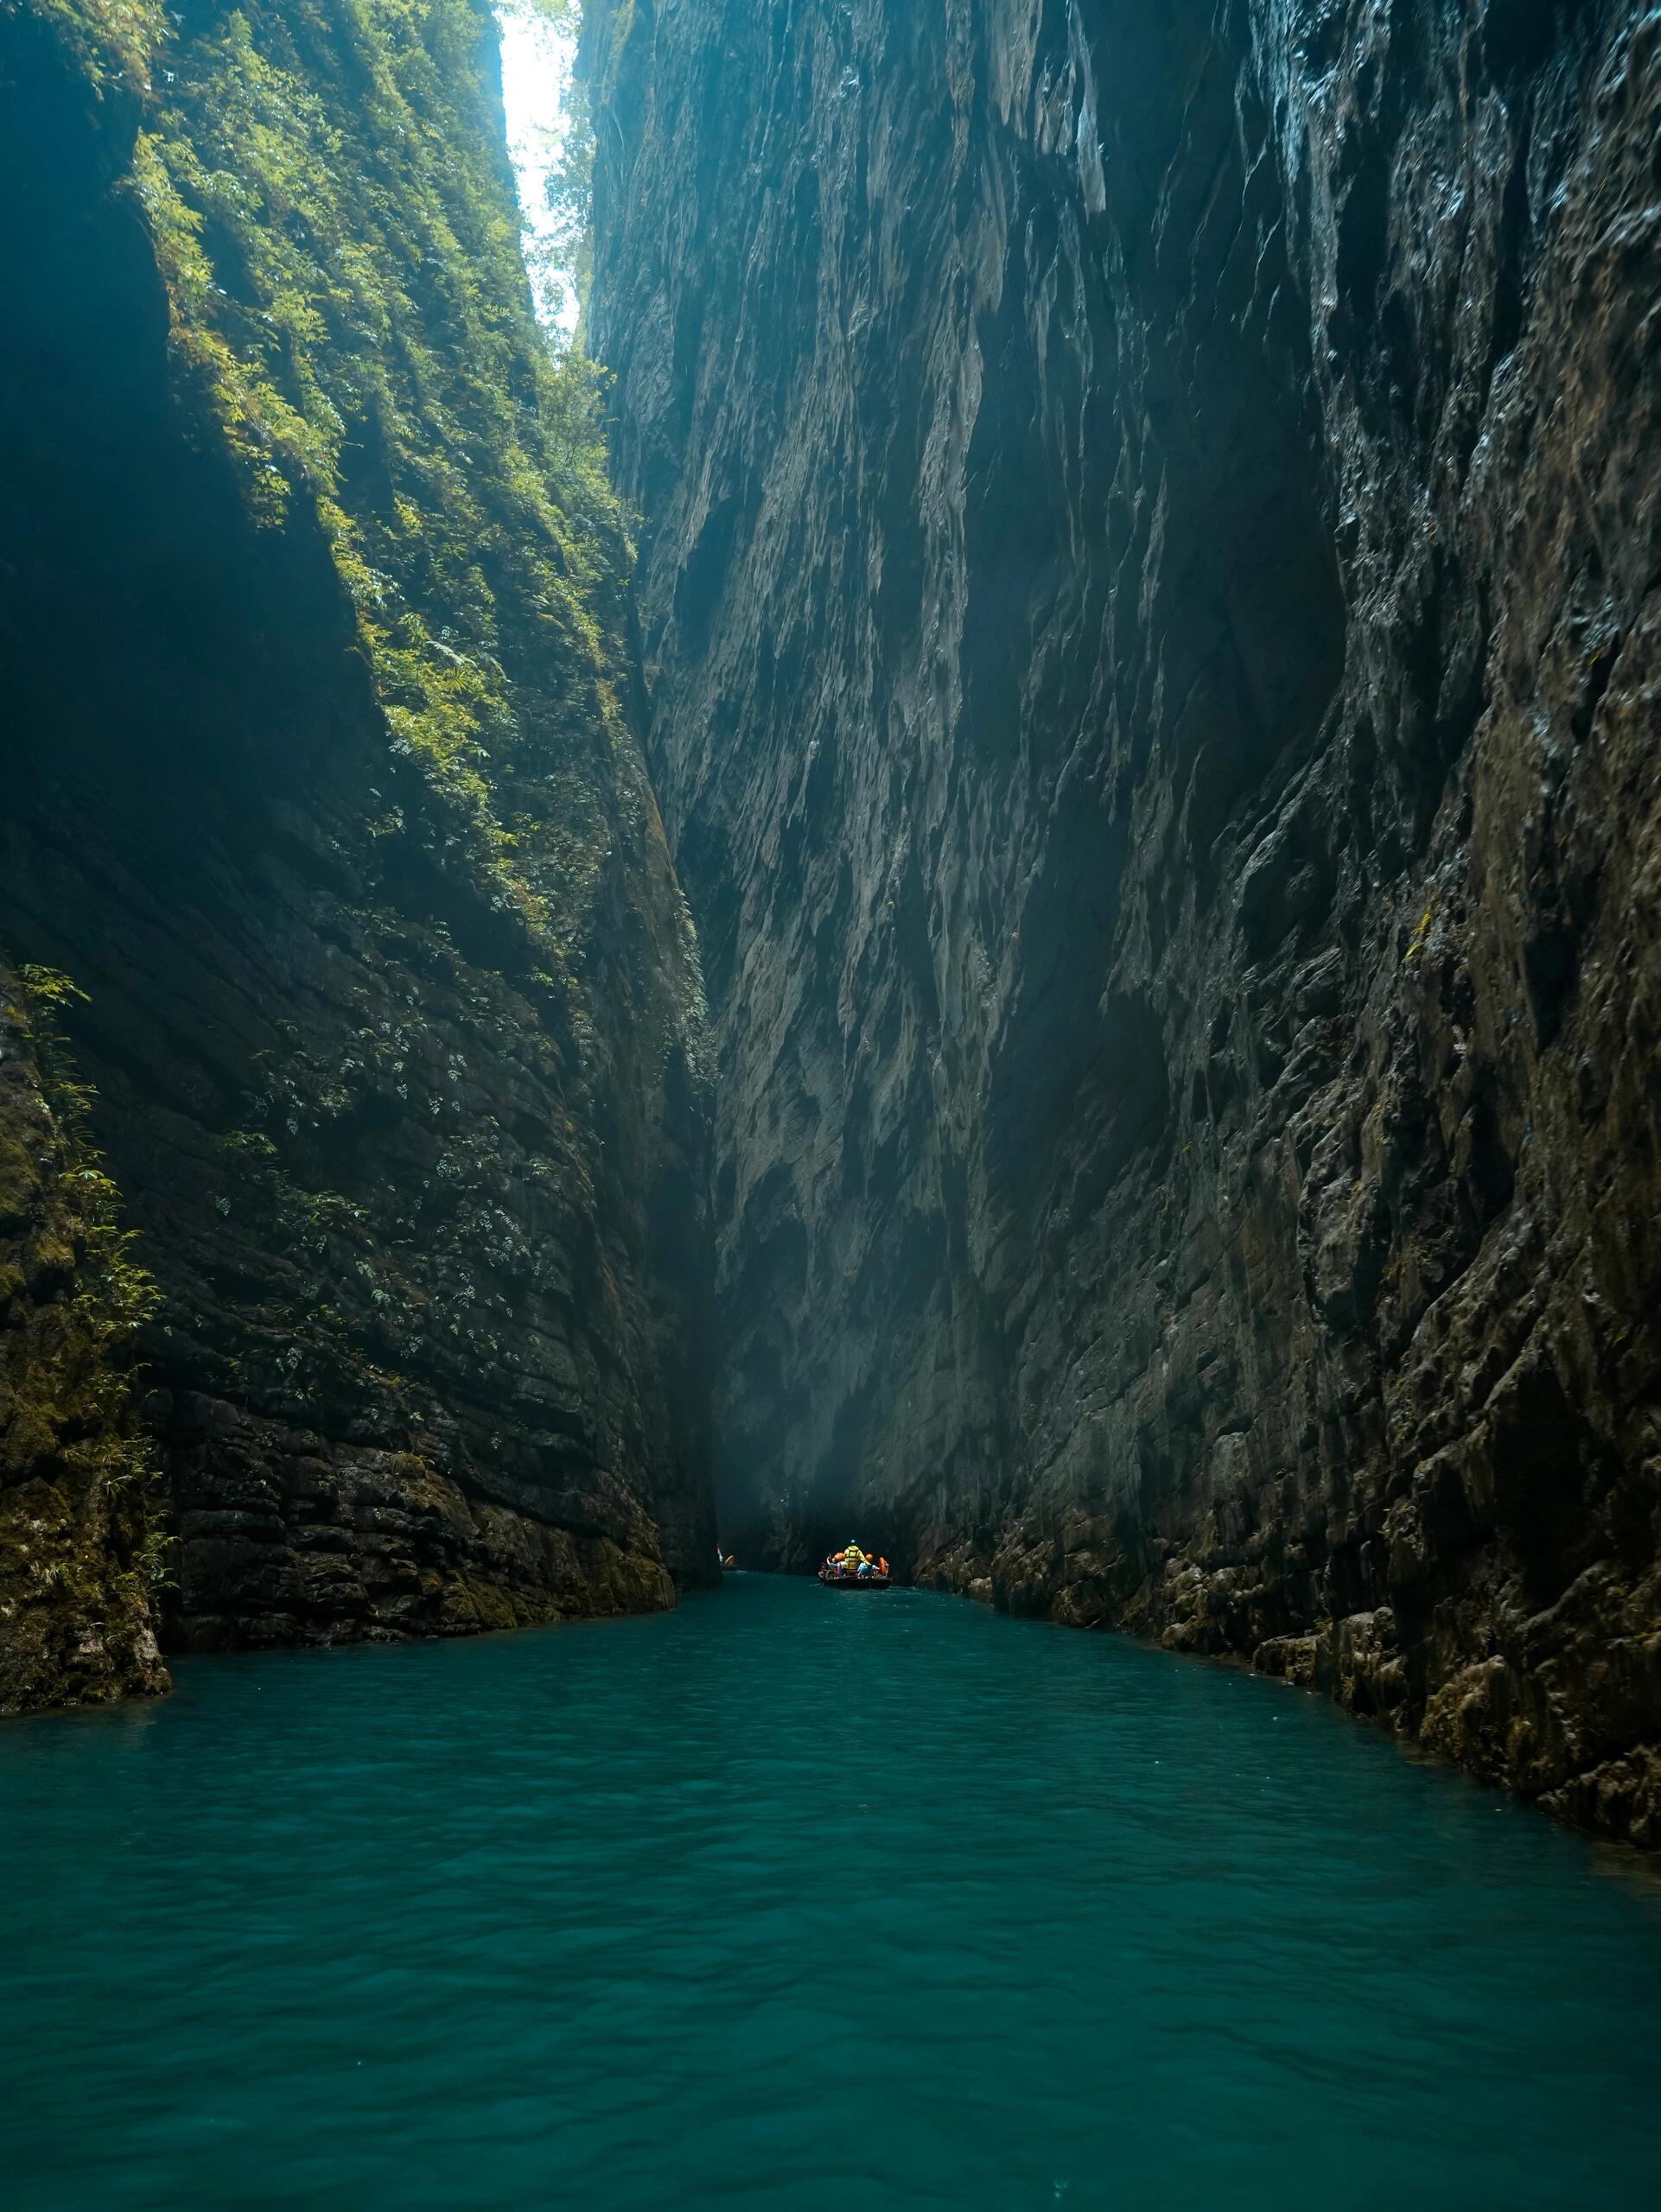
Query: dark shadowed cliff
1149	586
321	781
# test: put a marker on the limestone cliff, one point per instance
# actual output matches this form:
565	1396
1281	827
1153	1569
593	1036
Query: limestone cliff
322	782
1149	585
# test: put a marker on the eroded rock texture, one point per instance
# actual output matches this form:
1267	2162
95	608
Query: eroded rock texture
320	780
1150	586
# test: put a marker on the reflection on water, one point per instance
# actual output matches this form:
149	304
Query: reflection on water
803	1900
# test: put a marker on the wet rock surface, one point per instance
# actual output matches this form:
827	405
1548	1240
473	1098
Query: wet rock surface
419	1171
1149	585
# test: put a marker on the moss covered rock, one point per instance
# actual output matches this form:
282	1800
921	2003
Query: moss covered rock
327	789
82	1546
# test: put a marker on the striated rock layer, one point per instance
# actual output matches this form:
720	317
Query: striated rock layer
1150	584
321	781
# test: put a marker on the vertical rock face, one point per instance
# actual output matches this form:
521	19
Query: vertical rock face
82	1528
321	781
1149	583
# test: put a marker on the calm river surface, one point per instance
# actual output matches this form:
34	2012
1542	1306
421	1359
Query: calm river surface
803	1900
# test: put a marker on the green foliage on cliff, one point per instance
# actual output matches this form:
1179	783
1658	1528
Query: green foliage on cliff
113	1295
327	186
331	359
112	40
83	1541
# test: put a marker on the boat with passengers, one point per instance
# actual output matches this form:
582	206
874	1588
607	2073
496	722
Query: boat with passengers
854	1569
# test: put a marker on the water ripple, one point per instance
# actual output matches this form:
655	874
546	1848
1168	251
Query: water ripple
792	1900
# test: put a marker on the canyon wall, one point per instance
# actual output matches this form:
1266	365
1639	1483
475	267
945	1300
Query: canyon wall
83	1542
323	821
1149	583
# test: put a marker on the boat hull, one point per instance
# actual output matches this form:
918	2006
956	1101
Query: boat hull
856	1581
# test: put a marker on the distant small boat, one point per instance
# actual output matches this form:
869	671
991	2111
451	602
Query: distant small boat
853	1569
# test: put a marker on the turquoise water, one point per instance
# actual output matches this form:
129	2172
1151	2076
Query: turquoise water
799	1899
